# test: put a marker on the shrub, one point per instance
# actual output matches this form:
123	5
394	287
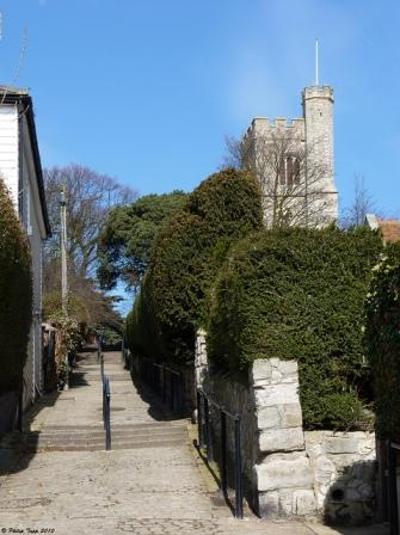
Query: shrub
15	295
77	307
140	328
382	341
299	294
187	254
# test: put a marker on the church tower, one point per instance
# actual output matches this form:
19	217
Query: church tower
294	161
319	141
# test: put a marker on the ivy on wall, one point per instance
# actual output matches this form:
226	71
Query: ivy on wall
382	341
15	295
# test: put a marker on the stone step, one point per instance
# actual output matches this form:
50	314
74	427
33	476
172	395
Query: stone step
84	440
100	445
94	437
115	427
134	427
94	377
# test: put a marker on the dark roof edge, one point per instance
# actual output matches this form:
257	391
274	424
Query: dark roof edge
22	97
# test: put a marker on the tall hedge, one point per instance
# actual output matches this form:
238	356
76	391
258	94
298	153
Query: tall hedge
382	341
187	254
15	295
299	294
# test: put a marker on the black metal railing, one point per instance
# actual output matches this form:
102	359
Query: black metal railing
106	411
98	349
206	441
167	383
102	366
106	402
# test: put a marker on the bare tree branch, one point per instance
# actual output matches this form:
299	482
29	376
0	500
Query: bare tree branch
362	204
90	196
290	174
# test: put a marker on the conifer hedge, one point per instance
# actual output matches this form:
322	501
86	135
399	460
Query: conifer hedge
187	254
299	294
382	341
15	295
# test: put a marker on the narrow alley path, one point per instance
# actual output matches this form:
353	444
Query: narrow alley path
57	476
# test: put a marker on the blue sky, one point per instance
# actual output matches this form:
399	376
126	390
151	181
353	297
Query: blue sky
147	90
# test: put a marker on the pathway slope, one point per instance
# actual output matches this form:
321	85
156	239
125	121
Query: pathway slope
56	476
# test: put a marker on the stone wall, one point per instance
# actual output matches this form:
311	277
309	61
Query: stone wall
344	474
289	473
282	468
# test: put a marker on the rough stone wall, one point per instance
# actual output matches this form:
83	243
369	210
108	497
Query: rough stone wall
200	358
344	473
289	473
283	471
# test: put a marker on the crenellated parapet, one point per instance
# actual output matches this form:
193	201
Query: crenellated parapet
266	127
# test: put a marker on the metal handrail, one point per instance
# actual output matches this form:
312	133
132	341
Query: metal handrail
106	400
166	382
106	411
163	367
203	419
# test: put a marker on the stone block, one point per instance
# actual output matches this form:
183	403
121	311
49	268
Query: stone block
284	416
286	503
260	372
291	415
324	471
284	369
281	394
281	440
273	371
279	471
342	444
268	504
268	417
314	443
304	503
344	462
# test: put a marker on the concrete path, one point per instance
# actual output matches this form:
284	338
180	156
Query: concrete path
57	478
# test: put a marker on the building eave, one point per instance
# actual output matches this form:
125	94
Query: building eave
23	100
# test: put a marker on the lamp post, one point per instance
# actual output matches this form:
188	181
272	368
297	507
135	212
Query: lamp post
64	279
64	274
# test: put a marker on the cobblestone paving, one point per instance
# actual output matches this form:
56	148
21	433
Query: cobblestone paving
151	486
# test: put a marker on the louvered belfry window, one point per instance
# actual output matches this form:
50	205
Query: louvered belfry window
289	171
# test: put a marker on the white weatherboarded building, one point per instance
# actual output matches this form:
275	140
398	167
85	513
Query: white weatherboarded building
20	168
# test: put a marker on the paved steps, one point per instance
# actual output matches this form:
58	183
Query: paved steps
92	438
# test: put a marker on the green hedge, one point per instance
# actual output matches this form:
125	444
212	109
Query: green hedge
299	294
382	341
15	295
187	254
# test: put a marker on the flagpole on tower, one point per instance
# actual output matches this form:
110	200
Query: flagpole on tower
316	62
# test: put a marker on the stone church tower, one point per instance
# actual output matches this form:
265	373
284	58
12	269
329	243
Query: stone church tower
294	162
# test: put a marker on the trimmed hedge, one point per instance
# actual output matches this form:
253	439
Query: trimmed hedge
382	341
187	254
299	294
15	295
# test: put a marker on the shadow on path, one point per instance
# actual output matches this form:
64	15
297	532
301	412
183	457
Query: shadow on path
157	409
17	449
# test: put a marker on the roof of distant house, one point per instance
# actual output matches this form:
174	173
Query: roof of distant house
390	228
19	96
